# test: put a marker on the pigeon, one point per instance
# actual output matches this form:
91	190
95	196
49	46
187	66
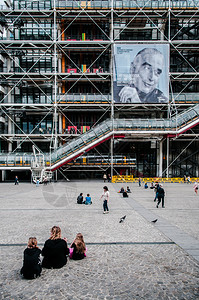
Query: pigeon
154	221
122	219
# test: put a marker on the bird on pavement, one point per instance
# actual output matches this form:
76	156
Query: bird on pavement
122	219
154	221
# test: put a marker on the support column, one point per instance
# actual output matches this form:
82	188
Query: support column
167	157
112	99
3	175
160	158
10	123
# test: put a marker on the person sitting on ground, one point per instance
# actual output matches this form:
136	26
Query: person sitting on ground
146	185
55	250
121	190
80	198
88	200
152	185
195	186
128	189
31	262
125	195
78	248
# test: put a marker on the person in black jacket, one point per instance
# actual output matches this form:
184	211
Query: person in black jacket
78	248
31	263
160	194
80	198
55	250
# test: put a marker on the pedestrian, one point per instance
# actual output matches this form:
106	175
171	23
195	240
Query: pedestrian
188	179
104	177
109	177
45	180
78	248
55	250
80	198
37	182
156	191
195	186
185	178
31	262
161	194
105	197
16	180
88	200
146	185
139	181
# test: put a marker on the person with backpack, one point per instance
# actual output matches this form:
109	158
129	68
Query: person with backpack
160	194
80	198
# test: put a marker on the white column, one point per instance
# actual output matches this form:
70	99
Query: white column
3	175
60	123
160	158
167	157
112	99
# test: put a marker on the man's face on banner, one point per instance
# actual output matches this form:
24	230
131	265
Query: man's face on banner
148	72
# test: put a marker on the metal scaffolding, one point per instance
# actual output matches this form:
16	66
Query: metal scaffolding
56	74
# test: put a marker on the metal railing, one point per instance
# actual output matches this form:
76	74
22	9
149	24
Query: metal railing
104	131
104	4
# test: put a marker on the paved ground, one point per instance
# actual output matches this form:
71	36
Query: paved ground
133	260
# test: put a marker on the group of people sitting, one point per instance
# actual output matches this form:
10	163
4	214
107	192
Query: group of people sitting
87	201
125	192
54	252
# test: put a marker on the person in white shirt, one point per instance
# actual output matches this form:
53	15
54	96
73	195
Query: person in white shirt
105	197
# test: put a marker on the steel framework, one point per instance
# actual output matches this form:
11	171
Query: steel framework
56	73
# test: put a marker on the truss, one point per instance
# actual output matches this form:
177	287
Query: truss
41	50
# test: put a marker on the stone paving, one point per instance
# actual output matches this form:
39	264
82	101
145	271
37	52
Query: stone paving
131	260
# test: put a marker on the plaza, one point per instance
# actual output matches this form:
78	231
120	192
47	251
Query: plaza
136	259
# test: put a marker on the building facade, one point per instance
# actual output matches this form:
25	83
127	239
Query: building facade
66	66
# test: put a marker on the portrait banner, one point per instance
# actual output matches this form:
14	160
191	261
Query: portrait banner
141	73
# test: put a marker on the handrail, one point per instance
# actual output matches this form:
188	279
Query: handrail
104	131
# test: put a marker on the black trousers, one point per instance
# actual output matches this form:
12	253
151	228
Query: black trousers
159	200
105	205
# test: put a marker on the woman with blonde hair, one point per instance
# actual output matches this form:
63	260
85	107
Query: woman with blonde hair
55	250
31	263
78	248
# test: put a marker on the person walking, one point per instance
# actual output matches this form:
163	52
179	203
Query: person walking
104	177
161	194
139	181
16	180
109	177
105	197
185	178
156	190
